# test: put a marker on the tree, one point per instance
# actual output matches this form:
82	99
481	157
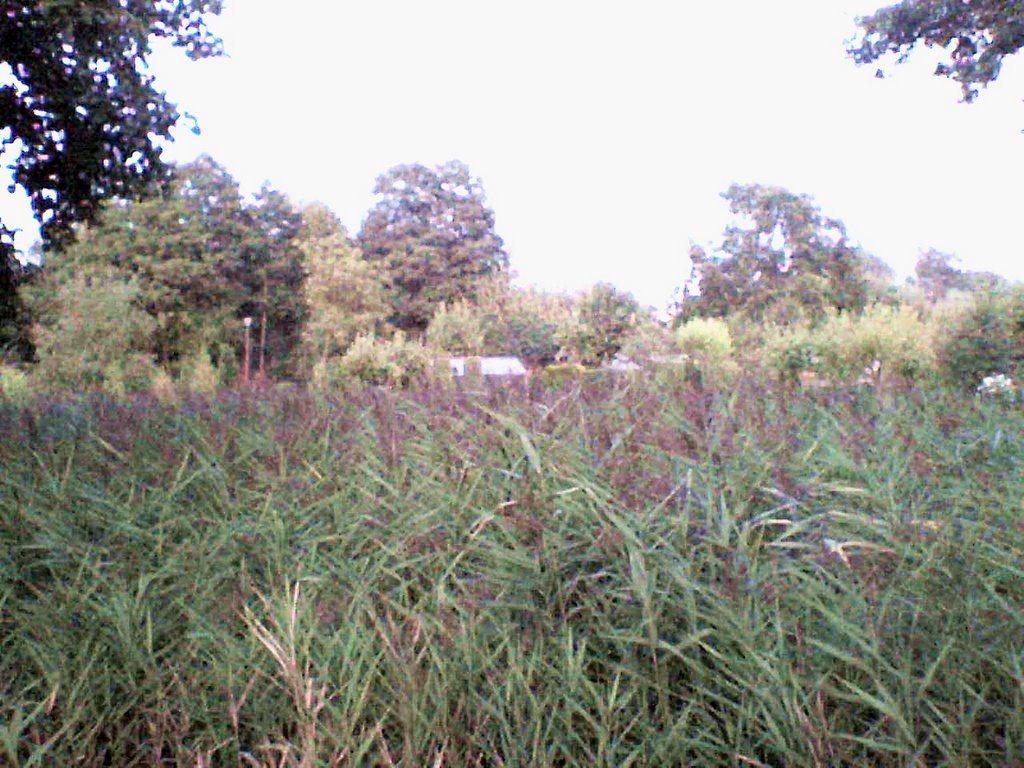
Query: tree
977	35
433	239
272	272
605	317
784	257
15	341
187	246
81	102
79	109
93	333
343	294
936	274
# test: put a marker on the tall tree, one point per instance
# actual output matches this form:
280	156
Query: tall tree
79	108
343	293
433	237
977	35
784	255
272	272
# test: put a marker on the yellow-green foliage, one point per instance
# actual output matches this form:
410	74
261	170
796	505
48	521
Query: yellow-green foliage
162	386
897	337
707	344
199	374
649	341
393	362
457	329
704	336
14	384
343	292
562	372
90	333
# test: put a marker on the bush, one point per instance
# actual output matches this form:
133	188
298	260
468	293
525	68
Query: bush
562	372
788	351
132	373
93	335
988	339
704	336
898	338
199	374
706	343
14	384
457	329
393	362
649	341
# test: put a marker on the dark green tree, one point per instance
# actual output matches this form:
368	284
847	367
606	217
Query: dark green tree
605	317
977	35
432	236
80	110
272	272
783	258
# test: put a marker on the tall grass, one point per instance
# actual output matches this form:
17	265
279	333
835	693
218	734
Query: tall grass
613	573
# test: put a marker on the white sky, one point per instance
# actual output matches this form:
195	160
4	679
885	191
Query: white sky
604	132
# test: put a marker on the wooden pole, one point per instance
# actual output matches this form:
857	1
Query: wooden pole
246	350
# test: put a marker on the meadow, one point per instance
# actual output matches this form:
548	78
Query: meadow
615	571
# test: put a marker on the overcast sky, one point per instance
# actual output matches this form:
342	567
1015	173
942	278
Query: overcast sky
604	132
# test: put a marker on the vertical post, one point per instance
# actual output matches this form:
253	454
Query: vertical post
263	328
246	350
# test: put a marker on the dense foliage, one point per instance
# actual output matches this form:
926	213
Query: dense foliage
433	238
79	109
608	574
782	258
977	35
203	258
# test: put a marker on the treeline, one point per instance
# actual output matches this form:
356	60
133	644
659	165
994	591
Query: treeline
194	285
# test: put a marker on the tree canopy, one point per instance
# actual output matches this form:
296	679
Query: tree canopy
977	36
202	257
80	112
433	237
783	256
80	102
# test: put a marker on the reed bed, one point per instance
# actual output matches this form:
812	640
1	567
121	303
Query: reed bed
606	573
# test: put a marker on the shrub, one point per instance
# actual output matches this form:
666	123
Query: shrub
898	338
92	334
649	341
562	372
199	374
392	362
704	336
788	351
707	344
14	384
987	339
162	386
132	373
457	329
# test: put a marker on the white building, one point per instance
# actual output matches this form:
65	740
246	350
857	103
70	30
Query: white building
490	366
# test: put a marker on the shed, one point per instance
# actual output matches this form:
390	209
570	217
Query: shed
490	366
